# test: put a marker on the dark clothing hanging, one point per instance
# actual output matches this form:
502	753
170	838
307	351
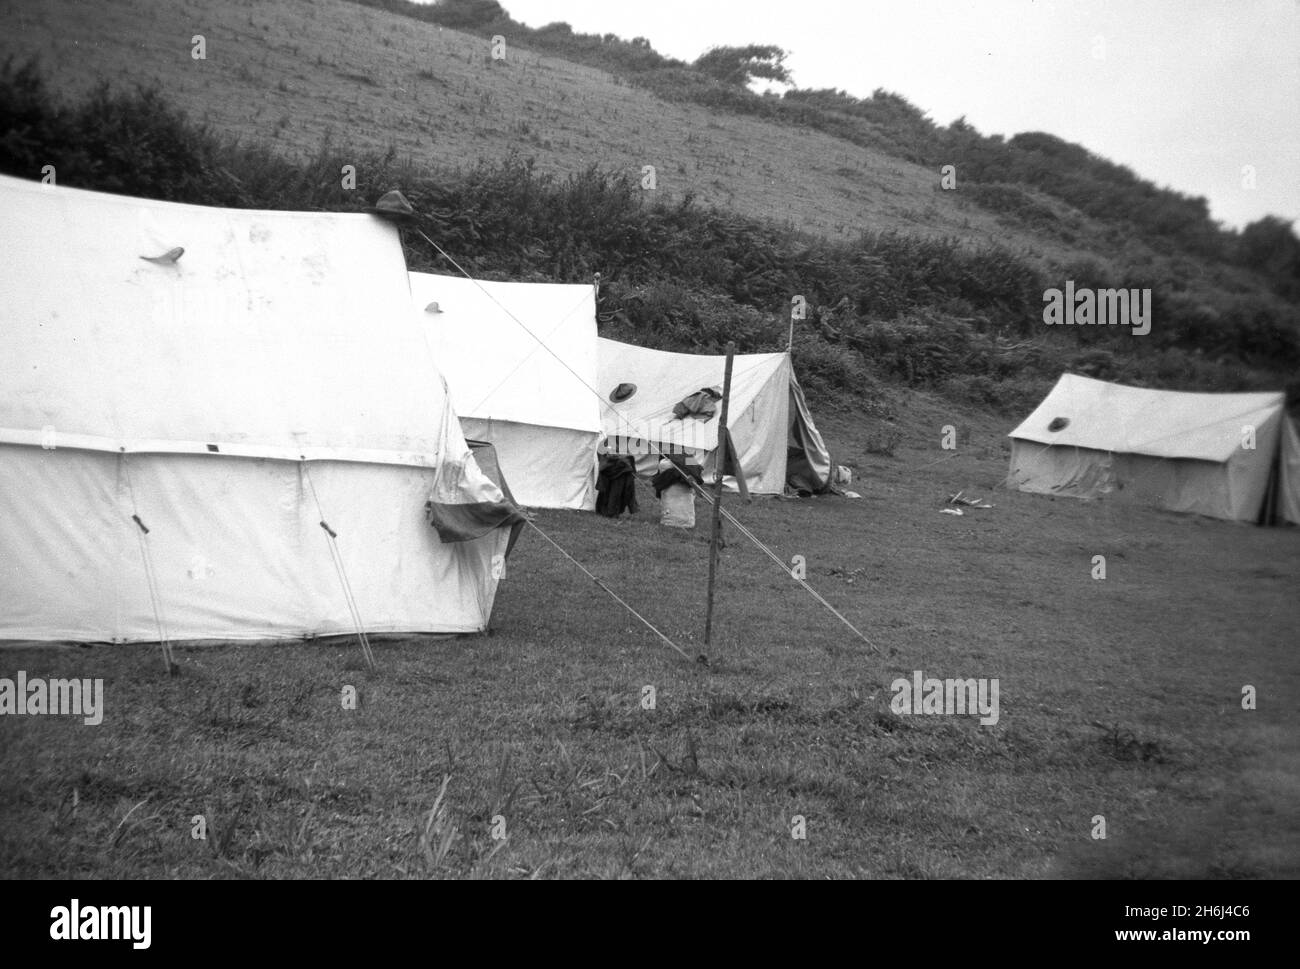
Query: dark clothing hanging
616	486
677	474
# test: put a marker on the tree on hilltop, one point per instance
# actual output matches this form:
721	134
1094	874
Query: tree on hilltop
740	65
468	13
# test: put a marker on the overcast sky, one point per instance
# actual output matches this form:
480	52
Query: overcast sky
1185	92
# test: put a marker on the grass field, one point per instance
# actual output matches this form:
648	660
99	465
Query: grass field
1119	697
291	74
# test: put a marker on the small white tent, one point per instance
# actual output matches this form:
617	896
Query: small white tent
520	359
227	380
770	424
1220	455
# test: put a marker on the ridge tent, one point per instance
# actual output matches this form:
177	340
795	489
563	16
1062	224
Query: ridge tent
770	424
538	411
1181	451
227	380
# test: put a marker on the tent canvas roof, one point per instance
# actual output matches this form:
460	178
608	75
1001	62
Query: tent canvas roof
664	378
1161	423
275	334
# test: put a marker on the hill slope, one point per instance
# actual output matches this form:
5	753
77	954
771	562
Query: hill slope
296	73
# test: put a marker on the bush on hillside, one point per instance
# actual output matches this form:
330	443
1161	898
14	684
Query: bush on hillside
1270	247
133	142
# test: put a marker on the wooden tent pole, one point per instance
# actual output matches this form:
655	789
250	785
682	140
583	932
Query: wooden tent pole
720	458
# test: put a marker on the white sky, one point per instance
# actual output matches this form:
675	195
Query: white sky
1188	92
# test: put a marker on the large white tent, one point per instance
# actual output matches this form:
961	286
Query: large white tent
520	359
228	380
1220	455
770	424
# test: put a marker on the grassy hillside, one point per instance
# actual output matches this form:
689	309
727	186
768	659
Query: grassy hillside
999	170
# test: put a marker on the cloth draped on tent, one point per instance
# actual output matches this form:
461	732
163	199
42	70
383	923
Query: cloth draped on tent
457	520
702	404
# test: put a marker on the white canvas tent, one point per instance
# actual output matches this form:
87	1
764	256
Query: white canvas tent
534	404
771	426
1179	451
230	397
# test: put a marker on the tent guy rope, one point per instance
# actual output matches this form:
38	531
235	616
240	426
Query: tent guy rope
649	625
331	538
142	536
766	550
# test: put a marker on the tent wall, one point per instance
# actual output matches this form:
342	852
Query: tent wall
236	548
546	467
1201	487
1060	470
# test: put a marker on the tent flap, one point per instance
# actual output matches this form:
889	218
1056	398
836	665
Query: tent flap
1288	502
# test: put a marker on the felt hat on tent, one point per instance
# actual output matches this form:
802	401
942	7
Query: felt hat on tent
393	205
622	392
